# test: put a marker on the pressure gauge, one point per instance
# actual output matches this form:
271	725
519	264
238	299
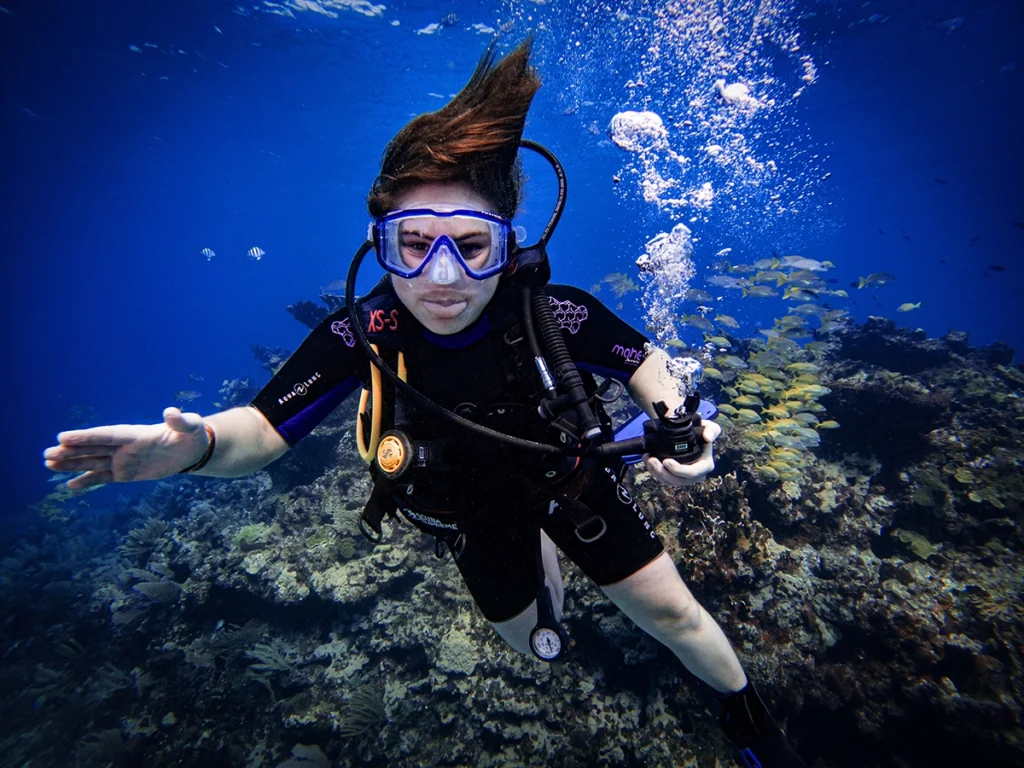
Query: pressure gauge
545	643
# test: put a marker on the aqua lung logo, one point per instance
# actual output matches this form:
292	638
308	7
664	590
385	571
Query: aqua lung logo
631	355
299	390
623	495
626	498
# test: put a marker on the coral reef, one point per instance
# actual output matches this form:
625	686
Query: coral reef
871	582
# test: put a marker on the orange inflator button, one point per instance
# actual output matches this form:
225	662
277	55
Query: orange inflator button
391	454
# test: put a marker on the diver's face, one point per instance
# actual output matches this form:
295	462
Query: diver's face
455	305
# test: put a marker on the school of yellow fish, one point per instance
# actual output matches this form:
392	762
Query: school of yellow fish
773	394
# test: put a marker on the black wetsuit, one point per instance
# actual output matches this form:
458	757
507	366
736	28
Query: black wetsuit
488	505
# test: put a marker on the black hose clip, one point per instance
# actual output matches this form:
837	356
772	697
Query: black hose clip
679	436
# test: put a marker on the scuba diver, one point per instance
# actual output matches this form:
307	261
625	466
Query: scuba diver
480	418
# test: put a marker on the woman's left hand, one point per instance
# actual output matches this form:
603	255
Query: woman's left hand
671	472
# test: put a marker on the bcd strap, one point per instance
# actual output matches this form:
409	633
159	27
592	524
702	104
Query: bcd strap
381	504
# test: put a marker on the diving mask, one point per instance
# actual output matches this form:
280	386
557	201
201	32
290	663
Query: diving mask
438	242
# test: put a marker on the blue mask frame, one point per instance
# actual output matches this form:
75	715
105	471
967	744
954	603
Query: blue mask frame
503	241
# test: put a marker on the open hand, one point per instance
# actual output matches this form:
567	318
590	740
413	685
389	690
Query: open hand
126	452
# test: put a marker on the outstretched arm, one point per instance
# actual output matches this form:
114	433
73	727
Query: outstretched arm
244	443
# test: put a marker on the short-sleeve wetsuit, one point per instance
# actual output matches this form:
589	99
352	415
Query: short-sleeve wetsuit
490	502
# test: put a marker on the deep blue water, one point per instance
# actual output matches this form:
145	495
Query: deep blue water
118	166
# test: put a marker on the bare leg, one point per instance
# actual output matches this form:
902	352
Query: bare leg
516	631
658	601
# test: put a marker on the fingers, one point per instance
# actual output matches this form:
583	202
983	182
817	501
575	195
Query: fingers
61	453
89	479
663	475
182	422
711	431
121	434
671	472
84	464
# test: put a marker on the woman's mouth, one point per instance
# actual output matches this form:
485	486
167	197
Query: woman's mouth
445	307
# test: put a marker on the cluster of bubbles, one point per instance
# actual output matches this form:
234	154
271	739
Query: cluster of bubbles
727	144
666	268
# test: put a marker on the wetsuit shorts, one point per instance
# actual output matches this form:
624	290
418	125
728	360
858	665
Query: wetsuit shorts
495	542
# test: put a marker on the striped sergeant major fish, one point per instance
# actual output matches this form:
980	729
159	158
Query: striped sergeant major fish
208	253
256	253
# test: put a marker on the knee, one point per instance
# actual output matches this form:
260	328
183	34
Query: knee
682	614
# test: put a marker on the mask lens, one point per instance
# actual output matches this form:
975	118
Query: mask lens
410	240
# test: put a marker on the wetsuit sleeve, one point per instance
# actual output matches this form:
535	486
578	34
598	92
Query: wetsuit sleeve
598	340
318	376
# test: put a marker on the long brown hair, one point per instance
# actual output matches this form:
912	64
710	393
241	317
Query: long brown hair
473	139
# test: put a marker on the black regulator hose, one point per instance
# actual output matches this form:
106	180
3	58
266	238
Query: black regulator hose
562	365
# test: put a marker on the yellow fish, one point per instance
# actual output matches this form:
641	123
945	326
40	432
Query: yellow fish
748	400
908	307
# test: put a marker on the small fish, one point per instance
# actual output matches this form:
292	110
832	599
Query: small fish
208	253
937	180
769	276
805	419
449	20
727	321
217	30
975	239
830	424
995	268
196	377
727	409
696	294
749	387
256	253
875	278
187	396
698	322
718	341
1019	224
802	368
746	400
800	262
908	307
723	253
760	291
747	416
725	281
620	283
798	294
906	237
732	361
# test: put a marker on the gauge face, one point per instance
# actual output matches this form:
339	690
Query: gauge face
546	643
